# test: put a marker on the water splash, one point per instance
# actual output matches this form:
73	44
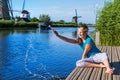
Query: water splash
42	68
27	55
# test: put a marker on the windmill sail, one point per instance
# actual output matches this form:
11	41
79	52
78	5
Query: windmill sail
75	18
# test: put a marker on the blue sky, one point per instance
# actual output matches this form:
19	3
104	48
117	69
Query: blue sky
61	9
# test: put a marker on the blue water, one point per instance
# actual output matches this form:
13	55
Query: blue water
34	55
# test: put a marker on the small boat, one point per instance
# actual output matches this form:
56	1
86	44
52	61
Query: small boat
44	26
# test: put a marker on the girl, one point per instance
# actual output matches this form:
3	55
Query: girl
92	56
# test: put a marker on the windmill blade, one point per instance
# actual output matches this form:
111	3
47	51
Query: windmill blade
76	12
10	6
23	7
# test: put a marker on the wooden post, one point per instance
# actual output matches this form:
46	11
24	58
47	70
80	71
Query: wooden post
97	38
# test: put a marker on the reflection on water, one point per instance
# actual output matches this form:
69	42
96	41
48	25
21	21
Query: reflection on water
31	54
74	34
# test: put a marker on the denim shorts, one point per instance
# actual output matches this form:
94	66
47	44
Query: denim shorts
97	58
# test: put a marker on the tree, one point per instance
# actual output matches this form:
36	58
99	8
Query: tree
108	23
34	19
44	18
61	21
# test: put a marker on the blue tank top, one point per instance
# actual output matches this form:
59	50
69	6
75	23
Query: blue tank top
94	50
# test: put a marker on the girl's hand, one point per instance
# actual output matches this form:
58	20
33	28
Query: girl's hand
55	32
83	57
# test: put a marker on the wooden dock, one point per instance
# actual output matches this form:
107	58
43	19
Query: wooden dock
99	73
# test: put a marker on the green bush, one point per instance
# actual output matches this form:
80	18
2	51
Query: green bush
64	25
26	24
13	24
108	24
6	23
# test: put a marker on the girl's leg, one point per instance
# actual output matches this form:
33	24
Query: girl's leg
102	57
107	65
88	64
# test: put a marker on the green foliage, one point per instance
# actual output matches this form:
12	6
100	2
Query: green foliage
44	18
108	24
17	17
26	24
61	21
64	25
6	23
34	19
13	24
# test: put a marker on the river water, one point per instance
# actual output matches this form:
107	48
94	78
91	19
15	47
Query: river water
29	54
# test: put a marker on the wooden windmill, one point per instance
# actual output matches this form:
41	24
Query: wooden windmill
75	18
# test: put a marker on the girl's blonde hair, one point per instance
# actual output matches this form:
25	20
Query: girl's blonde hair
85	27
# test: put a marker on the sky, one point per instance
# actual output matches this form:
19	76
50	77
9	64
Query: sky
60	9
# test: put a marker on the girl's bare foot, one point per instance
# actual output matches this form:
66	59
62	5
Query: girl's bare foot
110	71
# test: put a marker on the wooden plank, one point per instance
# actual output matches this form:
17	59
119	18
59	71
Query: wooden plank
87	77
86	73
99	74
116	64
82	75
118	53
78	74
72	74
113	62
94	74
97	38
103	77
109	52
100	70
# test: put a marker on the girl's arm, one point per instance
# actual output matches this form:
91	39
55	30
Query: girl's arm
65	38
87	49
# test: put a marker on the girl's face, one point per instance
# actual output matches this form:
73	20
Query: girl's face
82	33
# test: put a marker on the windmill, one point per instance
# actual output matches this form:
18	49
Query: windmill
6	9
75	18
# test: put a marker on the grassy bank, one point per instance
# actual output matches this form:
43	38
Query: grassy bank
12	24
63	25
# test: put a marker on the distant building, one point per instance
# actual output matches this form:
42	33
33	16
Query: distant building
25	16
74	19
4	10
